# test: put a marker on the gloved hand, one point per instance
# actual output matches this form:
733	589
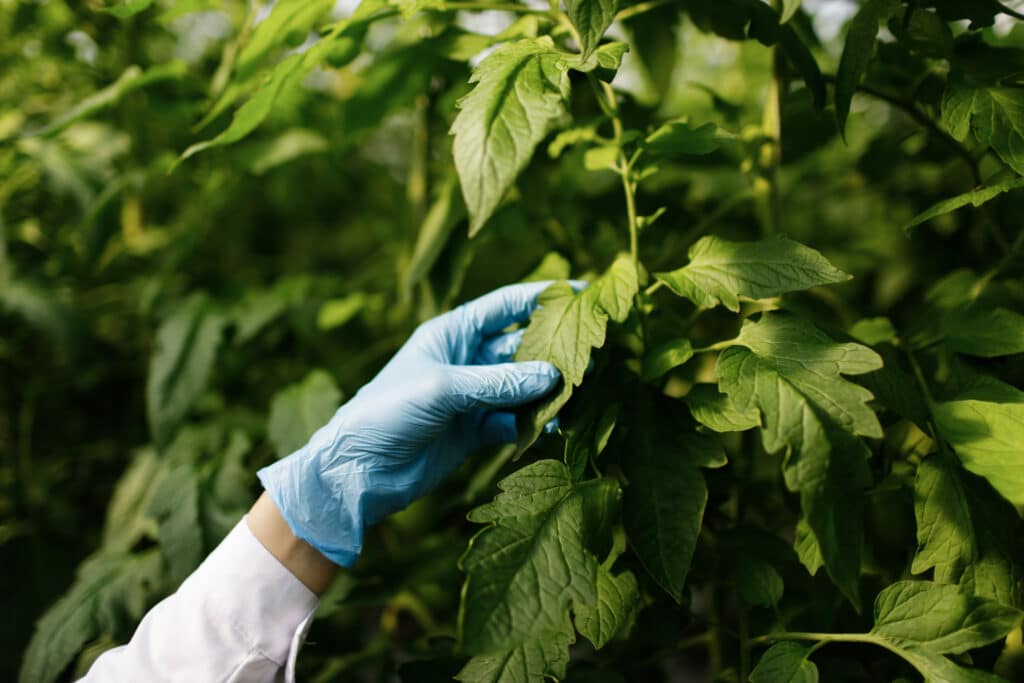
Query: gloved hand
444	394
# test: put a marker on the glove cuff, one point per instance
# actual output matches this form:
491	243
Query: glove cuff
331	521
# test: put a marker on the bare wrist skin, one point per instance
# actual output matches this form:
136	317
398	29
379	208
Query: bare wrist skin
303	560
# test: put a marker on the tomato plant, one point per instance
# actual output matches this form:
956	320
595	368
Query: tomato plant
791	420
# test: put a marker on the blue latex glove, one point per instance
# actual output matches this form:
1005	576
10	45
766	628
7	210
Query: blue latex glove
444	394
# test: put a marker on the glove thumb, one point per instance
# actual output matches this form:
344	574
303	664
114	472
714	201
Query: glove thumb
502	385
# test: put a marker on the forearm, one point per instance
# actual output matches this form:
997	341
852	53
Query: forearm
307	564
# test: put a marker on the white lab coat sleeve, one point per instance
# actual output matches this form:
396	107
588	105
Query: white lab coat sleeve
239	618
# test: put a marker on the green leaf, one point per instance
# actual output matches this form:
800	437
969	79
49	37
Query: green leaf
974	198
300	409
618	598
721	271
872	331
110	594
655	42
857	53
987	431
718	412
759	583
791	372
966	533
286	76
564	330
942	618
445	213
975	330
679	137
334	313
175	508
520	95
789	9
589	428
126	519
785	662
290	145
545	657
131	79
994	112
591	19
664	502
665	357
807	548
184	352
535	559
287	18
604	62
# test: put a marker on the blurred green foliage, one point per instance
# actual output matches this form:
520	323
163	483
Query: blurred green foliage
174	314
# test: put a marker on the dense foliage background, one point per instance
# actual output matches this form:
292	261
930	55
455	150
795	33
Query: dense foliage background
172	320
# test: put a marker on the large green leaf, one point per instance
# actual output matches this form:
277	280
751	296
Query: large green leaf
519	96
941	617
564	330
857	53
535	559
975	198
110	594
983	95
664	502
985	426
977	330
791	371
591	19
289	21
721	271
785	663
966	533
179	370
300	409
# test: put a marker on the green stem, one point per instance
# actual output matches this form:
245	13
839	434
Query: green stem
719	346
658	284
494	6
822	637
641	8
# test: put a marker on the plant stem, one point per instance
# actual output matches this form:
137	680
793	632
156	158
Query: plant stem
494	6
658	284
807	635
641	8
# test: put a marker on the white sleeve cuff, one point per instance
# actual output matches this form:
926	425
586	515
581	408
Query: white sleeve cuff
241	617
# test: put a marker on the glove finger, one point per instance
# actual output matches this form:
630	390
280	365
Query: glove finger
498	349
494	312
500	386
552	426
498	428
